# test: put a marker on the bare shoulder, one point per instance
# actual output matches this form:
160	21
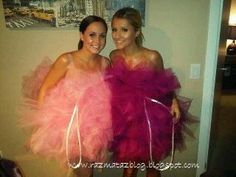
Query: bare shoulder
105	62
114	53
62	61
154	57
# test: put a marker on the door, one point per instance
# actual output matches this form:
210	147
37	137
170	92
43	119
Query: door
216	44
218	81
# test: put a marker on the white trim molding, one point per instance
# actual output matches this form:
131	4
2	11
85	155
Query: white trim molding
214	24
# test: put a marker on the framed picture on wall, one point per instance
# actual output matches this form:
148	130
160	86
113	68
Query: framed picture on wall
30	14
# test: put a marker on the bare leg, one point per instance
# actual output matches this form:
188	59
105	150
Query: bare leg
130	172
152	172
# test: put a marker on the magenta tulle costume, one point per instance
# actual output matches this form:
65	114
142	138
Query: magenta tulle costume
140	107
73	124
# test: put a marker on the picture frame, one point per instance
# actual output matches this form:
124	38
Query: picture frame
58	14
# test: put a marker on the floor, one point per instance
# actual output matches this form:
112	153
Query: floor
223	162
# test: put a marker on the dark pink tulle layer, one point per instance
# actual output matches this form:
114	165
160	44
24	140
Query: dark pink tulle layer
131	90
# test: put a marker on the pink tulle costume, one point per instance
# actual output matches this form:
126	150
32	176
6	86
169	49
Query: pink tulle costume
73	124
140	107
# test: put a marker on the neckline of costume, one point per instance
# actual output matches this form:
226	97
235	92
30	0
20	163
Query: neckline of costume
139	66
71	60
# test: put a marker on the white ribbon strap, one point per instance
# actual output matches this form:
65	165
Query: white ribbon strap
150	133
149	130
73	116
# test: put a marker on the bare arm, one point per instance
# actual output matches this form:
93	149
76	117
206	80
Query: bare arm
56	73
157	60
175	110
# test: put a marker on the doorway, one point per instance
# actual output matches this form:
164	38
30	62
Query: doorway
220	151
222	147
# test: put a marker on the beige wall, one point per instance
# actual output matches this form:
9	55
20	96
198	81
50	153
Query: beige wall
178	29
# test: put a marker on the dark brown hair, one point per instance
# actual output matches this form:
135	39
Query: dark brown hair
86	22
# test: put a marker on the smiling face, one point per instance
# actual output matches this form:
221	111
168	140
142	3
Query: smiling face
94	37
123	33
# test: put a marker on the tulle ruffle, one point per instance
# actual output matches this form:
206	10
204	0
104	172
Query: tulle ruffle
90	133
142	122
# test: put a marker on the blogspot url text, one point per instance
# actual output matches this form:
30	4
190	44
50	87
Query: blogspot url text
142	166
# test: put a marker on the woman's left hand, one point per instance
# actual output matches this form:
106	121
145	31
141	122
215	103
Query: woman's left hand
175	111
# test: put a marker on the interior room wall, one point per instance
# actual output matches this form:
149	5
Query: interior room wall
178	30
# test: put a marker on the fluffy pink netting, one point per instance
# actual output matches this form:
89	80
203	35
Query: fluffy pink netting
33	80
91	130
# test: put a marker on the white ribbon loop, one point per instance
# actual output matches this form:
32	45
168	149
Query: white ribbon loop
150	133
74	116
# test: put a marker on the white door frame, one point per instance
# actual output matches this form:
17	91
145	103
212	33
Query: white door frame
214	26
